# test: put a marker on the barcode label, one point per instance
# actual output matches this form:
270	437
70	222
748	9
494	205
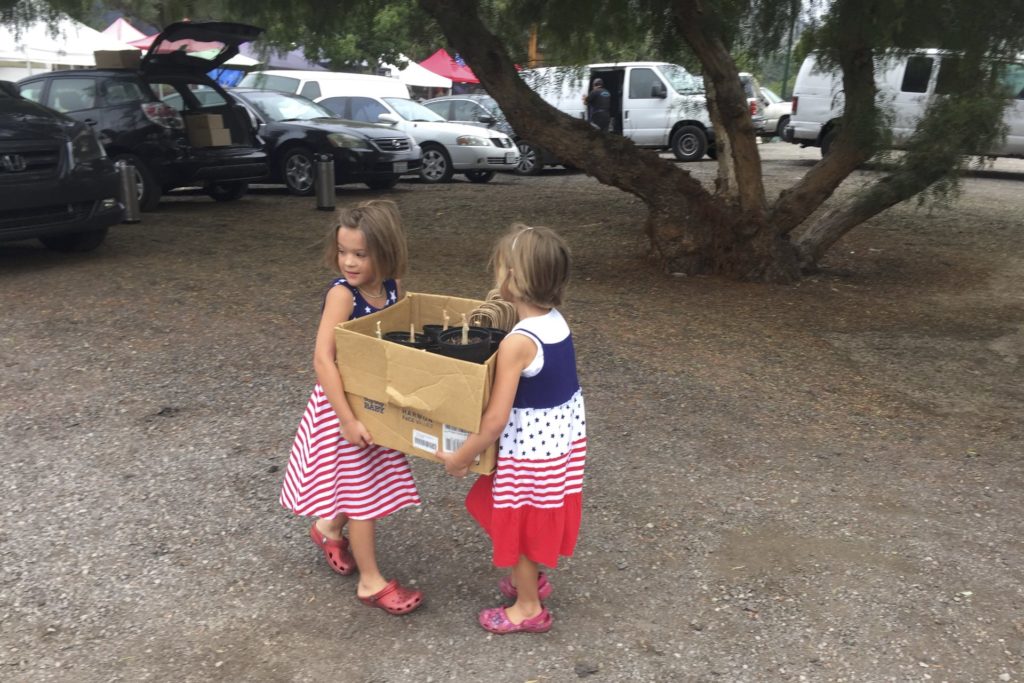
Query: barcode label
453	437
423	441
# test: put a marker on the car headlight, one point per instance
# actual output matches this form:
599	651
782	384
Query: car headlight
472	141
347	141
85	146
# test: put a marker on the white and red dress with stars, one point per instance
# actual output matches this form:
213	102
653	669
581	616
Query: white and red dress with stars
327	475
531	505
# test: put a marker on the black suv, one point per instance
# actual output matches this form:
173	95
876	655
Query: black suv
56	183
126	108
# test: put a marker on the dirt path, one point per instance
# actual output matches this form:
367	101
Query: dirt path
820	482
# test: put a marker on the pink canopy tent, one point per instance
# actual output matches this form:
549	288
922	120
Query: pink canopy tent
445	65
123	31
144	42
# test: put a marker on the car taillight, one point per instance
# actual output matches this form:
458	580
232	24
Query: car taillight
163	115
795	100
753	107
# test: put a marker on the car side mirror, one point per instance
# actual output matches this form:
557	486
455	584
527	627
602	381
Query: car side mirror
660	91
10	89
486	120
388	118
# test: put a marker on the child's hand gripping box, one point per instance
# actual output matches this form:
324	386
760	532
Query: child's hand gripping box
413	400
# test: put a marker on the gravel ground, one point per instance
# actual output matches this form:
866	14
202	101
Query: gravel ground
820	482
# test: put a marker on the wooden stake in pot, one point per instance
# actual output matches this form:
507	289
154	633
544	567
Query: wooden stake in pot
446	319
379	335
412	332
465	330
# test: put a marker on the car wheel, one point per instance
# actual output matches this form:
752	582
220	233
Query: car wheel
689	143
826	142
299	171
781	129
145	182
227	191
76	241
530	159
383	183
437	165
480	176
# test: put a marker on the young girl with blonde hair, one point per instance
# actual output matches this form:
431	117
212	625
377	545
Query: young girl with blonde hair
531	505
335	471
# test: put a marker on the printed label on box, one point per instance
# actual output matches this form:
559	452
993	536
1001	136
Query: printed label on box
426	442
453	437
374	406
416	418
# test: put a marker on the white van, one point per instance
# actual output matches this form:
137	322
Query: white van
656	105
907	84
317	85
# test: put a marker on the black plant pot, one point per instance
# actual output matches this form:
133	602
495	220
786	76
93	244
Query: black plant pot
433	331
478	350
497	334
420	341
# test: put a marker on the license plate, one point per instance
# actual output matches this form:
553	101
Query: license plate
401	166
510	158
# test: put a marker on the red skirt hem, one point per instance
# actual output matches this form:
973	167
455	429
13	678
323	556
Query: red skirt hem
542	535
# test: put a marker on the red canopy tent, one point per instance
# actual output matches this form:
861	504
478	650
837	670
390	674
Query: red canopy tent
445	65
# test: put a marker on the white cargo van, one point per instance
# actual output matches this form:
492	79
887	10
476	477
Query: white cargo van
907	84
318	85
656	105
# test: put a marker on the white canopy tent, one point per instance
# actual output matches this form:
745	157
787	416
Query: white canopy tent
39	48
416	76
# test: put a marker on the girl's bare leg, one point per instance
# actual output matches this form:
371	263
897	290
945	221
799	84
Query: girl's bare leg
332	528
364	547
527	604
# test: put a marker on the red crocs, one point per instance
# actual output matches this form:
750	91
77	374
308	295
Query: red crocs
336	552
496	620
394	598
510	591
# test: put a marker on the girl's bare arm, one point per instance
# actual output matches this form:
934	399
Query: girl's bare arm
516	352
337	309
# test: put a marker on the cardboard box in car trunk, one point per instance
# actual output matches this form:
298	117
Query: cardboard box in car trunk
413	400
117	59
207	130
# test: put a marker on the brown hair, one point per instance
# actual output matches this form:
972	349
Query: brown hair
539	260
381	224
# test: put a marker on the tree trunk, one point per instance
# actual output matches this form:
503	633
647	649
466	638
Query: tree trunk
690	230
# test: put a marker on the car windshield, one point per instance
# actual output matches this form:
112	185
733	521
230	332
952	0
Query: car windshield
679	78
770	96
412	111
277	107
490	105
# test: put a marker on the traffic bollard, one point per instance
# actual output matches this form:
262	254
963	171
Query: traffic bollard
129	191
325	182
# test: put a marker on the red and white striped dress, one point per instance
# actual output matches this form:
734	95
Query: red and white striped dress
327	475
532	503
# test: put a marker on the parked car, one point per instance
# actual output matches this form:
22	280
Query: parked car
483	111
56	182
752	89
447	148
125	108
776	114
296	129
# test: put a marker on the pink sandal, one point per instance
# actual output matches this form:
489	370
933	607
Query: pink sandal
394	598
510	591
336	552
496	620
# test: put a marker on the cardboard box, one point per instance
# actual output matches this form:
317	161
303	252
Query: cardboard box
214	137
204	121
413	400
117	59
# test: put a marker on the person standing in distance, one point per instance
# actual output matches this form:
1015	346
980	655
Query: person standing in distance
599	105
